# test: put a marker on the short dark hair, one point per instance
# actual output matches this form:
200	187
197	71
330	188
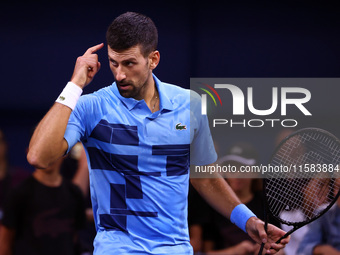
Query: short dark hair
131	29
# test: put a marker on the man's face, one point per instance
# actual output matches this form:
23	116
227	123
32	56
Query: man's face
132	71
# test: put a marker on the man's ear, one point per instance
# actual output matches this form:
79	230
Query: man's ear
154	58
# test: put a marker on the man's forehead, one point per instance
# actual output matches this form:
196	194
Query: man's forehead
133	52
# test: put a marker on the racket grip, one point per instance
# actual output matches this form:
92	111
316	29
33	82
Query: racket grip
278	241
283	237
265	228
261	249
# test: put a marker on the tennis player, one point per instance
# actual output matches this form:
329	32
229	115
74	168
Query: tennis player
137	135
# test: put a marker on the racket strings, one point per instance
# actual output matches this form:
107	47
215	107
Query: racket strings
311	198
298	189
284	198
316	196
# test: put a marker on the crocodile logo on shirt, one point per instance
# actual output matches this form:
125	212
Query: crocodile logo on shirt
179	126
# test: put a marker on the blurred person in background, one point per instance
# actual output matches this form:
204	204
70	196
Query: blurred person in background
5	179
323	235
74	168
298	235
10	176
220	236
42	215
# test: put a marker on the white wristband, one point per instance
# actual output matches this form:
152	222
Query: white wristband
70	95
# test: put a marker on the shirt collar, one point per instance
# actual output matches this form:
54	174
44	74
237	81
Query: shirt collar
164	100
130	103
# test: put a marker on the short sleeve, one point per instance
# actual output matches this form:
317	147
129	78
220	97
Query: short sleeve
202	149
75	129
85	116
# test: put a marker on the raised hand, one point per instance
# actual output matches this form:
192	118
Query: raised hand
86	66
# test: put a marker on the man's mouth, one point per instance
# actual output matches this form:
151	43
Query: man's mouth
123	85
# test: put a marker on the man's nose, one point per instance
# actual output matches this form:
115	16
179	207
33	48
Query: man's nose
120	74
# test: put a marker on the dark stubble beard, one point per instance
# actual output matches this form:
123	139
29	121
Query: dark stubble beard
134	91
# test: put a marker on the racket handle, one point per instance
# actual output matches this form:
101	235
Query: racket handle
278	241
265	228
283	237
261	249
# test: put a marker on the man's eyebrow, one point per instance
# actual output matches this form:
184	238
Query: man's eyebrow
124	60
129	59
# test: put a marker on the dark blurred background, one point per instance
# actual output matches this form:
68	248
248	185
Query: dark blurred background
41	40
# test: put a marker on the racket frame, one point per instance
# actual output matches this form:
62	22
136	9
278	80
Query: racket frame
265	200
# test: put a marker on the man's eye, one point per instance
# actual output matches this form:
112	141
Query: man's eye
129	63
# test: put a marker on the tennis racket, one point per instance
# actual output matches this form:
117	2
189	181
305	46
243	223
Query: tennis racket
303	178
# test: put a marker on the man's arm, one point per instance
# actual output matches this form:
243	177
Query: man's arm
47	143
325	249
221	197
6	240
217	193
